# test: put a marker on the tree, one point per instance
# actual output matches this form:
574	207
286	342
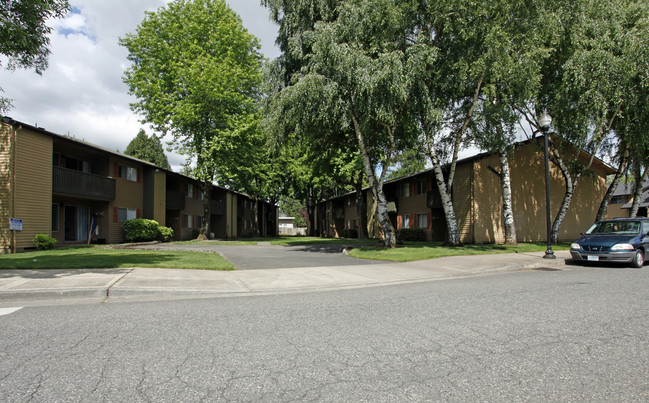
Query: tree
24	34
348	73
196	74
597	68
148	149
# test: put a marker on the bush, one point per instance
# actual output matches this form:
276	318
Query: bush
165	234
44	241
141	230
350	233
411	234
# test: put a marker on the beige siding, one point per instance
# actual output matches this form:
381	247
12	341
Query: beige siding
159	197
488	201
528	192
6	185
128	194
33	186
462	201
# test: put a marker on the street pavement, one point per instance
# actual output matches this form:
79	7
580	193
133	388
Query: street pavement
323	270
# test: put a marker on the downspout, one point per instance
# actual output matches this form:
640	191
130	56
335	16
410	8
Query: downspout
13	182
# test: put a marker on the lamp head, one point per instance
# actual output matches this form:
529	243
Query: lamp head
545	121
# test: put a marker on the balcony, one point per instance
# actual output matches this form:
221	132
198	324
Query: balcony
217	207
68	182
175	200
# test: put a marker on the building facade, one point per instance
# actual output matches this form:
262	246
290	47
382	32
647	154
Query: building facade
414	202
78	192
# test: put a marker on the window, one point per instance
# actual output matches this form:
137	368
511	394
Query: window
189	191
188	220
356	223
422	220
72	163
125	214
127	173
55	217
405	190
201	195
405	221
421	187
618	200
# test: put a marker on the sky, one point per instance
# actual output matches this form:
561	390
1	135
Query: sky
82	93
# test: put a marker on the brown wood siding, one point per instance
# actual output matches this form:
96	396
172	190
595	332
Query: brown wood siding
6	185
33	186
463	201
128	194
528	193
488	201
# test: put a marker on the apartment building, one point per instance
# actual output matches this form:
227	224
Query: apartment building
414	201
79	192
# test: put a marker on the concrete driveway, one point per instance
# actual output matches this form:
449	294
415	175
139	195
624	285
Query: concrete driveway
264	256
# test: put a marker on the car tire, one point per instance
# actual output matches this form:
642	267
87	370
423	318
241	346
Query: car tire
638	259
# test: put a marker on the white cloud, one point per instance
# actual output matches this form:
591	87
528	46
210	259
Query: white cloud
82	93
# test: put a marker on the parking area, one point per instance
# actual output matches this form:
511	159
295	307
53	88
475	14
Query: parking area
262	256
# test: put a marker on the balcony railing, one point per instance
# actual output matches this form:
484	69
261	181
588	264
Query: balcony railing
68	182
175	200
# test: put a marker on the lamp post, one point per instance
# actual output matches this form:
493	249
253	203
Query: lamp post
544	122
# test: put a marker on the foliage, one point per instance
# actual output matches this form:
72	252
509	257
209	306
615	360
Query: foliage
24	34
407	163
141	230
165	234
44	241
298	222
148	148
411	234
196	74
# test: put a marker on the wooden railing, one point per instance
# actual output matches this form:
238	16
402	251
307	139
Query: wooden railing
68	182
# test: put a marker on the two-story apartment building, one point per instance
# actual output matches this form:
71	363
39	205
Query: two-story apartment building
414	202
79	192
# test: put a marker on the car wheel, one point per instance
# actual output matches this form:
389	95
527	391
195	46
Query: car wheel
638	259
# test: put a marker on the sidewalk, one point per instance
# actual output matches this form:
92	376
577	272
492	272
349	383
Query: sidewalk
102	284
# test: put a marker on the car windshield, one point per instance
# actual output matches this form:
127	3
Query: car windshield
615	227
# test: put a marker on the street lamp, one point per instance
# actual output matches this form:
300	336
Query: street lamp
544	122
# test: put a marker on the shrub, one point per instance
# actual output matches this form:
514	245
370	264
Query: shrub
350	233
141	230
195	233
165	234
44	241
411	234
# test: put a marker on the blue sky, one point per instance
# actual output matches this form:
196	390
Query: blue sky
82	93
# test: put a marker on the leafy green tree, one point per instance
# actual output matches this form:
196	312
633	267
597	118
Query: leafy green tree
24	34
351	76
148	149
196	74
596	71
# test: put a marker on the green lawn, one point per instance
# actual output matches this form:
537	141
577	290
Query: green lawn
411	251
89	257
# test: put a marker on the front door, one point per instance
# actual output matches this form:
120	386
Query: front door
77	223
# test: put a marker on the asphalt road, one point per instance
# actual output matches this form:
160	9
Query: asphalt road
246	257
578	334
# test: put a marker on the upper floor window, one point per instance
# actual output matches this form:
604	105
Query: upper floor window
127	173
421	187
404	190
190	190
618	200
70	163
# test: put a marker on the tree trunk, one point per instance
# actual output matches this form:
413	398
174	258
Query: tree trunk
571	184
452	229
508	211
360	208
377	190
207	211
603	207
639	179
256	215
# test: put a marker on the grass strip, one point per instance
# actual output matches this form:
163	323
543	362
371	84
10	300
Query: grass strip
93	258
411	251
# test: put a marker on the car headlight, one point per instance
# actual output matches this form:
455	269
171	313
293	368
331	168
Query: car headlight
575	245
622	246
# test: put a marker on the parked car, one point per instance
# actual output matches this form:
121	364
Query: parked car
619	240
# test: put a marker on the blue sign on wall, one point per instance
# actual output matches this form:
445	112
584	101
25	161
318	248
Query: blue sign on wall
15	224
